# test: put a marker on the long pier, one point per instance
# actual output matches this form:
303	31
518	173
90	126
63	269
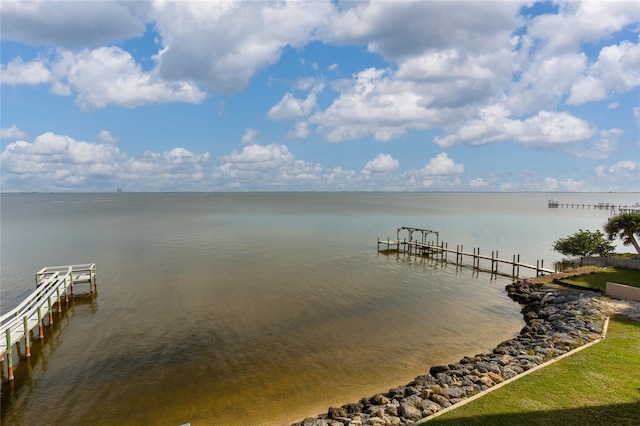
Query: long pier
554	204
440	250
53	284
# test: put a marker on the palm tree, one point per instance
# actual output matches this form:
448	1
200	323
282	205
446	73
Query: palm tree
625	226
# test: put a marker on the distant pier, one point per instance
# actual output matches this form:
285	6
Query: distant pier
438	250
554	204
53	285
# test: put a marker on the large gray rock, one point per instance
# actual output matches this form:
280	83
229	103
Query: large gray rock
409	411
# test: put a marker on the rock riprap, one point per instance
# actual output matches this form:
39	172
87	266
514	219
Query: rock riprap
557	321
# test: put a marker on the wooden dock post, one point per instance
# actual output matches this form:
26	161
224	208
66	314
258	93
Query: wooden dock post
27	341
50	311
492	261
9	357
66	291
40	325
59	299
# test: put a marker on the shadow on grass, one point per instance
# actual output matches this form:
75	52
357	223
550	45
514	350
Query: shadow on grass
614	414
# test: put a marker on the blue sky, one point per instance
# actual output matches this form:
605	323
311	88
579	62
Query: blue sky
320	96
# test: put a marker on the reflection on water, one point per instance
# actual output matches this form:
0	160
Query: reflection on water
248	308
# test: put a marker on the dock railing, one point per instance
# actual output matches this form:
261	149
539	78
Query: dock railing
440	252
53	283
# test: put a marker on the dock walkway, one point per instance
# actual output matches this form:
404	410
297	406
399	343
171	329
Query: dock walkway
440	250
53	283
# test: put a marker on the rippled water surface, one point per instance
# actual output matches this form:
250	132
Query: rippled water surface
258	308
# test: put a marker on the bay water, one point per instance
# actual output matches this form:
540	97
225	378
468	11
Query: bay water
259	308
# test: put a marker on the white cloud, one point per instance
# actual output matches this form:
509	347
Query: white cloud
636	115
613	105
105	136
622	170
602	146
12	132
71	25
493	125
381	164
300	131
223	44
259	157
543	82
249	136
617	70
587	21
54	162
290	107
441	165
111	76
374	104
445	65
478	183
563	185
30	73
399	30
273	167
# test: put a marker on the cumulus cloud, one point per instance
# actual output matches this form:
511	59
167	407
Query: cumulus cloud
53	162
398	30
381	164
495	125
563	185
622	170
440	165
30	73
103	76
617	70
290	107
300	131
105	136
72	25
249	136
603	145
544	81
222	44
111	76
12	132
478	183
274	167
374	104
580	22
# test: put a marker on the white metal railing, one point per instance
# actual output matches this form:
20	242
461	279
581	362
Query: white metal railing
52	284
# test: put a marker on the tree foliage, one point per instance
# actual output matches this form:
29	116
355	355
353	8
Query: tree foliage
625	226
584	243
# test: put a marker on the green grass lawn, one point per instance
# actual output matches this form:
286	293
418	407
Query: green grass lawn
598	280
597	386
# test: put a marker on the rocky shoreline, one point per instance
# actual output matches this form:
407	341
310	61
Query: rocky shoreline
557	321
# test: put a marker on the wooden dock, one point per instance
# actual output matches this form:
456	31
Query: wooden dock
440	251
53	284
554	204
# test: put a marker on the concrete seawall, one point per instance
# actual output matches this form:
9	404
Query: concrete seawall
615	262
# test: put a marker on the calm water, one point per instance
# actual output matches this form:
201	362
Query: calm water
258	308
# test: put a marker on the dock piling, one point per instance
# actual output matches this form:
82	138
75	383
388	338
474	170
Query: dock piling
426	248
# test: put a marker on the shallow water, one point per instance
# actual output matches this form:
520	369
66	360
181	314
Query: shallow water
258	308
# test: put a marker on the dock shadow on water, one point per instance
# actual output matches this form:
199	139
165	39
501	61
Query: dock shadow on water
27	370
